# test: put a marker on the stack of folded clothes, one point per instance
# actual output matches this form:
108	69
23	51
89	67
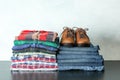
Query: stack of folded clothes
77	53
35	50
80	58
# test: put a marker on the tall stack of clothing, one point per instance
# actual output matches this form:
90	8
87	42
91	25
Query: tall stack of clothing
80	58
35	50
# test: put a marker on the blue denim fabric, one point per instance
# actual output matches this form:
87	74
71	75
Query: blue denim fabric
80	64
88	68
86	49
83	58
72	56
78	52
80	60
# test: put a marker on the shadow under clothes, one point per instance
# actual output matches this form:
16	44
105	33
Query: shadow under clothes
60	75
80	75
34	75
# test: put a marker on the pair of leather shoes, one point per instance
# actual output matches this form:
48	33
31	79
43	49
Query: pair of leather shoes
71	37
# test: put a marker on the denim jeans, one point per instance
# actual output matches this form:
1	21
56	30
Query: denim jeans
90	49
80	60
79	52
80	64
73	56
83	58
86	68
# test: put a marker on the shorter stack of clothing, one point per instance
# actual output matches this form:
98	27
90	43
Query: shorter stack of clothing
35	50
80	58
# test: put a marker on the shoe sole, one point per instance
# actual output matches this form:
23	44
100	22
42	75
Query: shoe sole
67	44
83	45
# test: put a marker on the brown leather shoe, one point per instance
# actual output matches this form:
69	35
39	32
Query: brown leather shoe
82	40
67	38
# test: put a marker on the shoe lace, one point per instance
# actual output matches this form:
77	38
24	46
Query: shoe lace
70	32
82	32
85	29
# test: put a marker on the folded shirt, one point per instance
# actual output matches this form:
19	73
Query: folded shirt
37	57
33	53
24	46
37	35
33	66
33	50
46	43
34	63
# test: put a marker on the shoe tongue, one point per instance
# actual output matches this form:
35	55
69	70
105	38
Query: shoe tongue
70	33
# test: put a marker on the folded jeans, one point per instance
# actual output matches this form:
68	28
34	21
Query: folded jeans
81	60
86	68
81	64
73	56
89	49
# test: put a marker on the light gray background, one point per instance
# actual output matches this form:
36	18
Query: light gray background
102	17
